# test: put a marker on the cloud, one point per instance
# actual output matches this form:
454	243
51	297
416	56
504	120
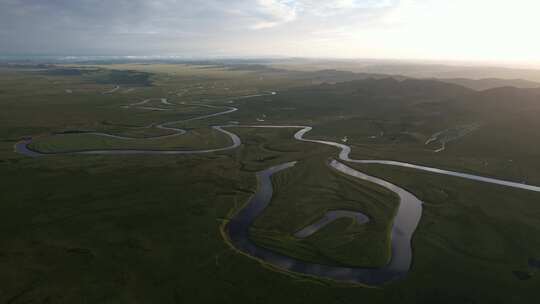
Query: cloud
172	26
342	28
276	12
330	7
115	26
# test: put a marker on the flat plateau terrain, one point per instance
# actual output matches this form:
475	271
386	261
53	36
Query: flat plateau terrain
121	182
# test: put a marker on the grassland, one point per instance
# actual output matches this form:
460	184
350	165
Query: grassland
484	229
146	229
195	139
303	197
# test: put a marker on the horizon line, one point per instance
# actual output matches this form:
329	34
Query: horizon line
511	64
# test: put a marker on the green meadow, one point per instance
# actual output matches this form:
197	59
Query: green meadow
149	228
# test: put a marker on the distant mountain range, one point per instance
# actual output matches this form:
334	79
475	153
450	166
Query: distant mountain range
490	83
334	76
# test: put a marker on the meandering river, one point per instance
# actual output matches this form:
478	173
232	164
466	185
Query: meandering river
404	224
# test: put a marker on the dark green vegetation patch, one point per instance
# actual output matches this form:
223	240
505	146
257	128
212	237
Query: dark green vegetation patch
132	78
103	76
147	229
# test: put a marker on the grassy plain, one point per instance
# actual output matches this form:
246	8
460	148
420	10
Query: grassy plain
309	190
146	229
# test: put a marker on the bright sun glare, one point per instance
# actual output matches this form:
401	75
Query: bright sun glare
457	30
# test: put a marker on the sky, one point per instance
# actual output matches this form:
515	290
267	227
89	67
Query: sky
486	30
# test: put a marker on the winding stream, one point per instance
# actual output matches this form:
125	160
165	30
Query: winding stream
116	88
404	224
330	217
